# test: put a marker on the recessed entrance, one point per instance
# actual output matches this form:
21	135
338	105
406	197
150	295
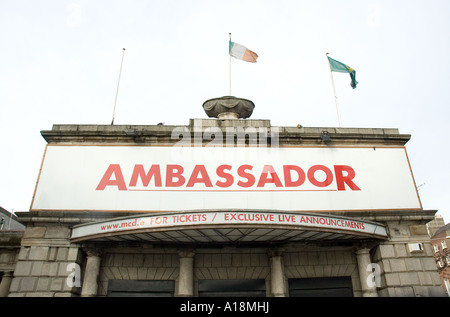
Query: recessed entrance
321	287
230	288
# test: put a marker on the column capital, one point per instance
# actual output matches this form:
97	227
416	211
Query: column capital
5	283
272	252
362	251
186	253
8	273
91	251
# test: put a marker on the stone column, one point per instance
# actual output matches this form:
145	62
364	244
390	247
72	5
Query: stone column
277	281
91	273
186	274
5	284
368	286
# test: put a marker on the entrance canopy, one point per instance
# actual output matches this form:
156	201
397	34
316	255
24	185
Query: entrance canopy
229	226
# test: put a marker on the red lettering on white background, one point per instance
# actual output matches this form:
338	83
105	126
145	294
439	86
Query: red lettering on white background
107	181
228	177
341	180
174	171
294	177
146	177
312	176
287	176
286	218
250	178
274	179
194	179
249	217
342	223
189	218
158	220
230	218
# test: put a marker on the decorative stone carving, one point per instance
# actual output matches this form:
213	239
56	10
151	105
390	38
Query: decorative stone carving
229	107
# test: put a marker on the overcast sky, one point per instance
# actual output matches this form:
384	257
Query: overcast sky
60	62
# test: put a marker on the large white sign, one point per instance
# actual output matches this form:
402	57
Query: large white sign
174	178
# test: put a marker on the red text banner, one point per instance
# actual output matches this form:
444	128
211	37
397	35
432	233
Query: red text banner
190	220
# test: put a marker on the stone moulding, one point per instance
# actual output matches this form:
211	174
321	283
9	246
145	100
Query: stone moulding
228	107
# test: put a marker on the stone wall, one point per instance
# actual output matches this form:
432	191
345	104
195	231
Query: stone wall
46	263
228	263
322	262
137	266
9	253
407	269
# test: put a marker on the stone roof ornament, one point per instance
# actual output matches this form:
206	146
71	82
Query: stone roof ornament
228	107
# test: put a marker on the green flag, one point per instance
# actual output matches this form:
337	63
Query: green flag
342	68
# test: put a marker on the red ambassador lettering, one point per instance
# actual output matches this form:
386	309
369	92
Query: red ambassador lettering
292	176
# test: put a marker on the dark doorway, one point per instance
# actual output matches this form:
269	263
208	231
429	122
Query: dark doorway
134	288
241	288
321	287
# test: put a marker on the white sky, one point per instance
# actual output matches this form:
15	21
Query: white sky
60	63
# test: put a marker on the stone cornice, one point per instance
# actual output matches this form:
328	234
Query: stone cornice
167	134
71	218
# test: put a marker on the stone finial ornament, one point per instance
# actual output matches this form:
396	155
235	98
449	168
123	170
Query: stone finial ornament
228	107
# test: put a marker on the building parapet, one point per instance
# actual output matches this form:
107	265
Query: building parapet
169	134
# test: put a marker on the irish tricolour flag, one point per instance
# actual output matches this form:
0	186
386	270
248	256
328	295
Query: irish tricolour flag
241	52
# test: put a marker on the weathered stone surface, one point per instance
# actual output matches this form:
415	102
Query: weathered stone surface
229	107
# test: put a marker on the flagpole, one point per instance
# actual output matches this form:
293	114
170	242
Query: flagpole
334	90
117	90
229	69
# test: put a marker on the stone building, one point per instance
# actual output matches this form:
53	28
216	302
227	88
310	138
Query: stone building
11	232
225	206
440	242
434	225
